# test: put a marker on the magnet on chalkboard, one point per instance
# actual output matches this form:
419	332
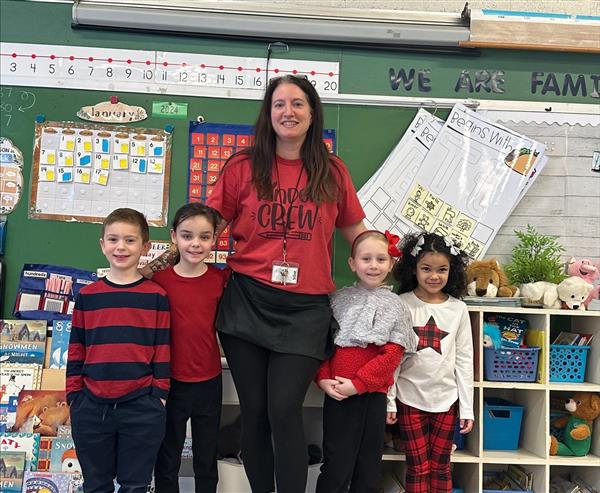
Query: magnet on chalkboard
40	118
200	119
169	128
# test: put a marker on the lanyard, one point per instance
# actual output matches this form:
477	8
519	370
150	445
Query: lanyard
280	200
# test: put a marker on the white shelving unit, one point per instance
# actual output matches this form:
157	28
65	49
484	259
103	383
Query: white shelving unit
470	464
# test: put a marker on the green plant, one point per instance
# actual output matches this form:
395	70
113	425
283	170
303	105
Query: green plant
535	258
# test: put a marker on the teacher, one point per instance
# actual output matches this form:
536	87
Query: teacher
283	198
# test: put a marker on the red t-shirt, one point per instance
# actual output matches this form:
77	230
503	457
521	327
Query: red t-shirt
193	302
257	225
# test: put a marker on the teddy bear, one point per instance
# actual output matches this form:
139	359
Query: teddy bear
486	278
569	294
584	408
589	272
51	418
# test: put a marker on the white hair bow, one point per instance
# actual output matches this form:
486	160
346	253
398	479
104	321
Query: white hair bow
450	244
418	247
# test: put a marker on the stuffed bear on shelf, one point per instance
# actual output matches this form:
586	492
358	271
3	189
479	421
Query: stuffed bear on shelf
584	408
486	278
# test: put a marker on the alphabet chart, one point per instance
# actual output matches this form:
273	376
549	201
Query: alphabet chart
189	74
81	172
211	144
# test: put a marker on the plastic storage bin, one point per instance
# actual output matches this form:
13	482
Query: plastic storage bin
511	364
567	363
501	424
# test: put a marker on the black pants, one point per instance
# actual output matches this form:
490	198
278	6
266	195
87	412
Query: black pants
271	387
200	401
352	443
117	441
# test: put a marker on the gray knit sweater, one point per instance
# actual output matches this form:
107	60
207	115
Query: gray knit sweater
372	316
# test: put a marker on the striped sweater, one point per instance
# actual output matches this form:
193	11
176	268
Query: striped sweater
119	346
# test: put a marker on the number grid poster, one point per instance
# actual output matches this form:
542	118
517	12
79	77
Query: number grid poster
81	172
210	145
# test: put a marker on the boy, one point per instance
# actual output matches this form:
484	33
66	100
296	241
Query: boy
118	366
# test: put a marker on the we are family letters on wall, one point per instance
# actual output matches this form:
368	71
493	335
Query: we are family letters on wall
461	179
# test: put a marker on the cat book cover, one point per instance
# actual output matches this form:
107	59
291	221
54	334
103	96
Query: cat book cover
46	482
61	332
63	457
29	443
41	411
23	341
12	468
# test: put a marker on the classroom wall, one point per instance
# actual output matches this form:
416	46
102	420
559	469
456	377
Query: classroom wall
366	133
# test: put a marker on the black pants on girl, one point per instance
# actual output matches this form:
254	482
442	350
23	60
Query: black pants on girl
352	443
271	387
200	402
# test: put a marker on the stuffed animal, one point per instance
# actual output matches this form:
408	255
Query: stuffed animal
584	408
589	272
51	418
486	278
569	294
572	292
491	336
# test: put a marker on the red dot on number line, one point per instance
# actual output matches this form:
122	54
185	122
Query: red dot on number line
52	57
276	70
148	62
91	59
240	69
294	71
221	67
109	60
330	74
258	69
33	55
183	64
14	55
71	58
312	72
129	62
165	64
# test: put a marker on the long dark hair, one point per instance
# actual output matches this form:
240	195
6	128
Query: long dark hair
405	269
196	209
321	185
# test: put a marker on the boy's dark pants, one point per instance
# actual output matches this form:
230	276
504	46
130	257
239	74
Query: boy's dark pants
352	443
117	441
200	401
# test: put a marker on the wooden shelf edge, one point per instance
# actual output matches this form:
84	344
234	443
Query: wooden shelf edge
529	47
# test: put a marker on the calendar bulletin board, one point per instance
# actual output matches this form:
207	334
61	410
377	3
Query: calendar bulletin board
81	172
365	133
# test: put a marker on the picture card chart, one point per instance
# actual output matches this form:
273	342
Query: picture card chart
154	72
81	172
211	144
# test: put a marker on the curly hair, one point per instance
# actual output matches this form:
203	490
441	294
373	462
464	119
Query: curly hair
405	269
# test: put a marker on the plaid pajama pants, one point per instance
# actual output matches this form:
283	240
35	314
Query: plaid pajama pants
427	439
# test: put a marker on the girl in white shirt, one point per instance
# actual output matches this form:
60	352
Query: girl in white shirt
435	385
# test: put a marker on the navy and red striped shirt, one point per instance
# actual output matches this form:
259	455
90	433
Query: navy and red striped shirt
119	346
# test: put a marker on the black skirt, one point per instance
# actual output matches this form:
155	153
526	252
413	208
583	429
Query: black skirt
275	319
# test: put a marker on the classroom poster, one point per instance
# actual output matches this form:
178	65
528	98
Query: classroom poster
81	172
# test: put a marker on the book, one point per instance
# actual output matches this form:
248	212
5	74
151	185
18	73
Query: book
41	411
22	442
12	469
566	339
44	482
23	341
15	377
63	457
585	339
8	412
44	455
59	349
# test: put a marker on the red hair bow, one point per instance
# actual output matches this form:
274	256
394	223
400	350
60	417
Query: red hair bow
392	242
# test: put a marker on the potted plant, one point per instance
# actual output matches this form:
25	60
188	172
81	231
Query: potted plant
536	257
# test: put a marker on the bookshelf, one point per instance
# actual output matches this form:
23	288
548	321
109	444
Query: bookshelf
470	464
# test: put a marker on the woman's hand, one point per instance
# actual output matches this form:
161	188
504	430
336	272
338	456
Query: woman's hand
391	419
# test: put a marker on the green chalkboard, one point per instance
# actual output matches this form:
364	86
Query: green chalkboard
365	134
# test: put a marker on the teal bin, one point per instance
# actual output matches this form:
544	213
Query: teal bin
501	424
